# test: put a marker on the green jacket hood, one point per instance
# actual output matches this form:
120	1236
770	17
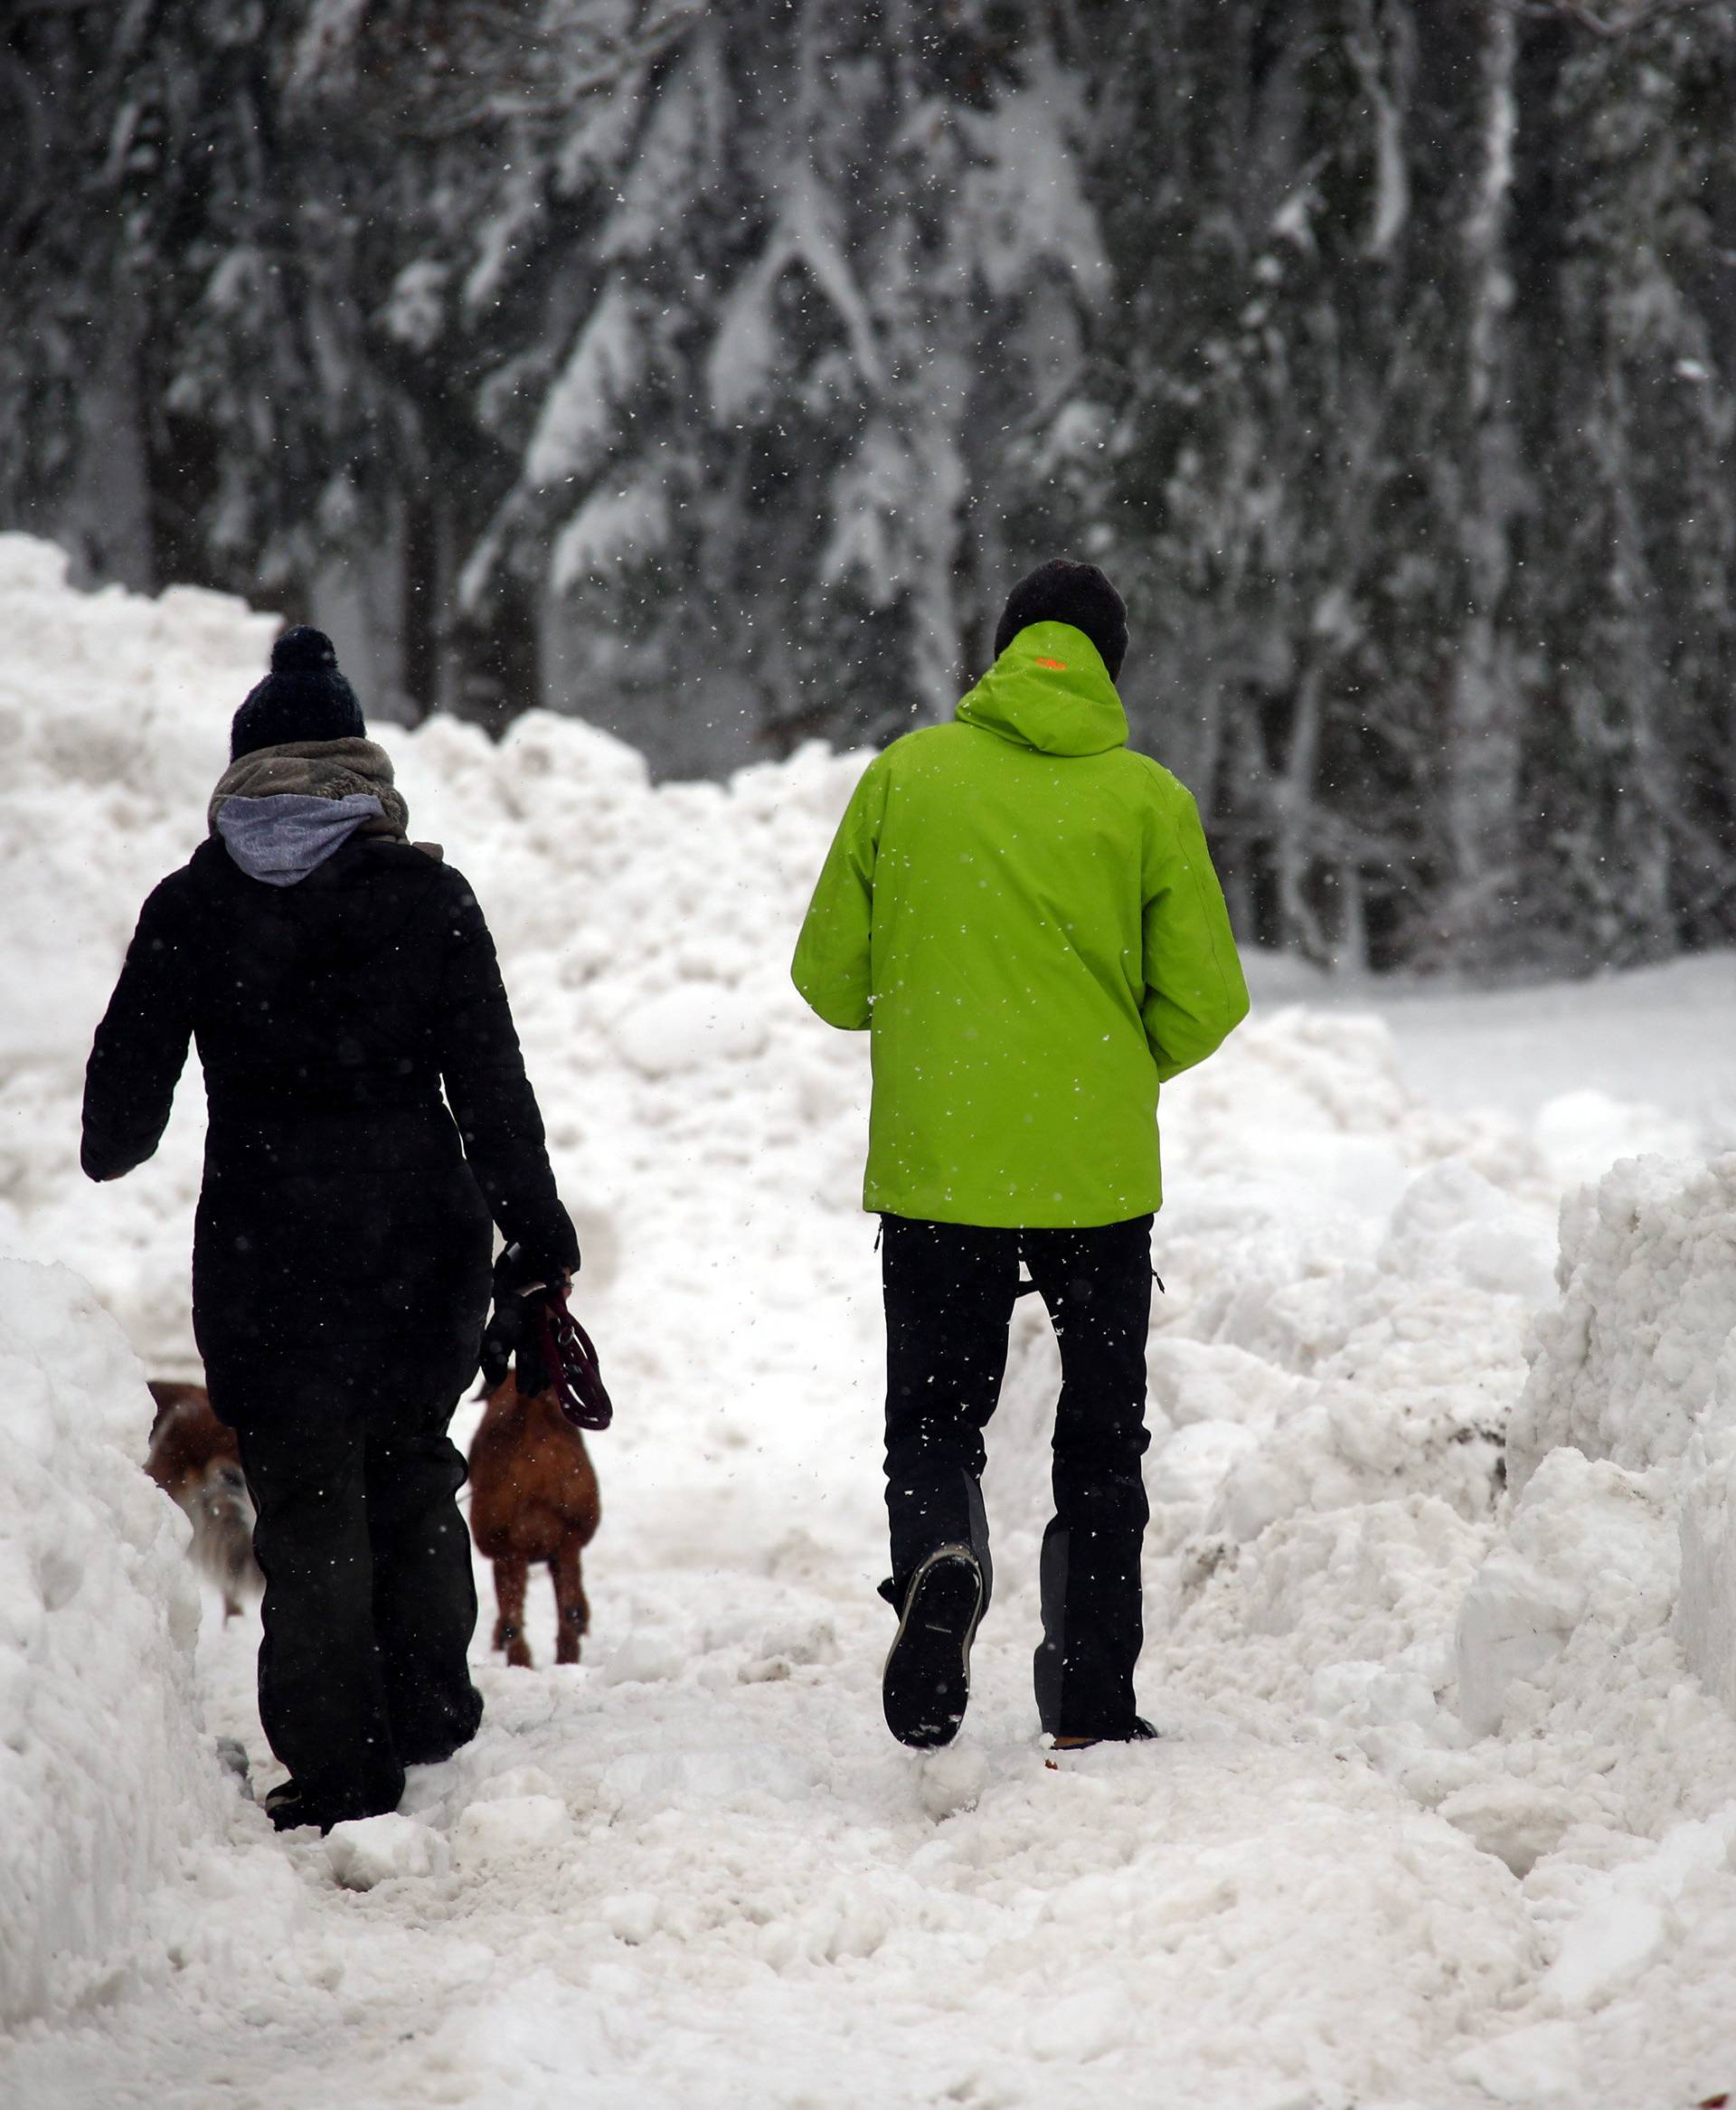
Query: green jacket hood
1051	691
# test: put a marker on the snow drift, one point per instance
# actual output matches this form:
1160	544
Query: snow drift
104	1776
1636	1369
1637	1358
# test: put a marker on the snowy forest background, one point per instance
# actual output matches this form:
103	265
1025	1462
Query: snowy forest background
712	369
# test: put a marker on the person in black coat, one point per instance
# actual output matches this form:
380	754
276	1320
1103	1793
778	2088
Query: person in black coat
337	979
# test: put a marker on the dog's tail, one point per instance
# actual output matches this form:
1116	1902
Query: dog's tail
222	1532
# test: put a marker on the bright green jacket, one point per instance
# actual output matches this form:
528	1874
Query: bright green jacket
1025	912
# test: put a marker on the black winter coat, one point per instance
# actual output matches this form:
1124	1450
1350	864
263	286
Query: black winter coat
343	1232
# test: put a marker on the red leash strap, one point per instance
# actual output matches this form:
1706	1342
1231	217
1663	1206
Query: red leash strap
574	1371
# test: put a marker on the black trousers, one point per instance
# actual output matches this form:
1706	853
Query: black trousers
370	1599
949	1291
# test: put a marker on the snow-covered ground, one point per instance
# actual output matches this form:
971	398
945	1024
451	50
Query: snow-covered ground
1444	1812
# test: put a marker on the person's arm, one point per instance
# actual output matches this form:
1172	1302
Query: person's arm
1196	996
483	1072
140	1047
831	966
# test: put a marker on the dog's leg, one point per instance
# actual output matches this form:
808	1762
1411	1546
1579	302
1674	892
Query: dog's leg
572	1611
510	1573
222	1530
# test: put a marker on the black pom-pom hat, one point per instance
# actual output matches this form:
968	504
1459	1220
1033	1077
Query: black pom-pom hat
303	697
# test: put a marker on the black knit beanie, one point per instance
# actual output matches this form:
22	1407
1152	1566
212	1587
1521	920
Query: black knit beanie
303	697
1065	592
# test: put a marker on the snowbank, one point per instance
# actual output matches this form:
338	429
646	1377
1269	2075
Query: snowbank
104	1776
1637	1367
1586	1540
1705	1610
1630	1362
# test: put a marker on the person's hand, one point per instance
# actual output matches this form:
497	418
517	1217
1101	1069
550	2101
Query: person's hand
514	1335
521	1271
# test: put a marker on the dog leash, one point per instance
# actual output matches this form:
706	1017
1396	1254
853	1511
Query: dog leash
575	1375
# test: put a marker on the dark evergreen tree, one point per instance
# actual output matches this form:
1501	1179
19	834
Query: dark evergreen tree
712	369
836	253
1628	542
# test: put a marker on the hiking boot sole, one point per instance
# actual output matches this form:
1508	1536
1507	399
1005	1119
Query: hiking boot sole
925	1685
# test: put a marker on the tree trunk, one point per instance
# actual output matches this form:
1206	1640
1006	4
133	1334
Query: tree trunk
1476	921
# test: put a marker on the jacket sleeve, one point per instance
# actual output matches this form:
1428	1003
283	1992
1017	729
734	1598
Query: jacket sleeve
832	963
482	1069
141	1045
1196	996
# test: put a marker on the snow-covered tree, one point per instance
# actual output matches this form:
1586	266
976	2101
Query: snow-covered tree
713	366
833	256
1630	540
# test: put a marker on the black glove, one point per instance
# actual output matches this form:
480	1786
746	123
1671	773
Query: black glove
515	1332
545	1239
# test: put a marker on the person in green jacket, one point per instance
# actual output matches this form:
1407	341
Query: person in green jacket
1023	914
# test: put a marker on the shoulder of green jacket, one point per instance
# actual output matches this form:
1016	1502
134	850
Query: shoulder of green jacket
918	738
909	751
1167	781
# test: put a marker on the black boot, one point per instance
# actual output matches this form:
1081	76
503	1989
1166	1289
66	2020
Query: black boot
1138	1731
290	1806
925	1685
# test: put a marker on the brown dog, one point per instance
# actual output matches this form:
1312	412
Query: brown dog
194	1460
533	1498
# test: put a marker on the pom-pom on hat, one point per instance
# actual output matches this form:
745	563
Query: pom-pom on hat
1063	590
303	697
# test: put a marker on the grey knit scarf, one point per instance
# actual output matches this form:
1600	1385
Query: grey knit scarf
317	768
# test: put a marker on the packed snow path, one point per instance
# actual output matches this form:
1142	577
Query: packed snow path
1443	1813
724	1885
700	1874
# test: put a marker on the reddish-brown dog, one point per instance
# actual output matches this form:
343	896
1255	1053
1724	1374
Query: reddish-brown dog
533	1499
194	1460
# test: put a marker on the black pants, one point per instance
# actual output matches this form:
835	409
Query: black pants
370	1600
949	1291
